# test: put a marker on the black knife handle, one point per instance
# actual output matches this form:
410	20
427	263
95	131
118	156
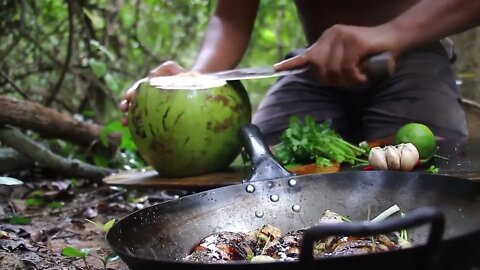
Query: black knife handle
379	65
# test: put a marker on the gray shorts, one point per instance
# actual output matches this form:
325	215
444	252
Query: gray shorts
422	90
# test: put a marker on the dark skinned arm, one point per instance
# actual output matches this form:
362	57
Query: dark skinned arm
227	35
226	40
336	55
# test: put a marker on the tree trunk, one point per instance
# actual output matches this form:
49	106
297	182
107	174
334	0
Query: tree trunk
50	123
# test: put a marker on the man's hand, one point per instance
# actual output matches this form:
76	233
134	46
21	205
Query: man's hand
336	56
168	68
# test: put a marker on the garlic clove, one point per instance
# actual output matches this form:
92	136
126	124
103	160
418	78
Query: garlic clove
409	156
377	159
393	157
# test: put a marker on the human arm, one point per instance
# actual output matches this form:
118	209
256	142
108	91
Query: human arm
335	57
226	40
227	35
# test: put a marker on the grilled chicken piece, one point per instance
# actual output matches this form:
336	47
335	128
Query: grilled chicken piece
263	236
285	248
351	245
223	247
357	245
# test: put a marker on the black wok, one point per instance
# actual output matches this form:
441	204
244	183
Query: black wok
161	235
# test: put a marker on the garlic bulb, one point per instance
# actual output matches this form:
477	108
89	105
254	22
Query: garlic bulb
409	156
377	159
400	157
393	157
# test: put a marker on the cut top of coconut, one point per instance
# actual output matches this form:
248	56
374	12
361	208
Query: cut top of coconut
186	82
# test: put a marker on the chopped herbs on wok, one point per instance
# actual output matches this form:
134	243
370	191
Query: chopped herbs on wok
268	243
310	142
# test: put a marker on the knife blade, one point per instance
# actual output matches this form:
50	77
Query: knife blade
252	73
375	66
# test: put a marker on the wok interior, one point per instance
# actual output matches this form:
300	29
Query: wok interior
168	231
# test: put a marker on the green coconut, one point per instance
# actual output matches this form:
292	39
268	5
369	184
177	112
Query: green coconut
186	126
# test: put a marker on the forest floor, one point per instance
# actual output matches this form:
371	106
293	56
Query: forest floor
38	220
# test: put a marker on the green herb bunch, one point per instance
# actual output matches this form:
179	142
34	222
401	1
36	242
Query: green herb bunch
309	142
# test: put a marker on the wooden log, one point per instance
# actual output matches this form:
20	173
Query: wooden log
12	137
49	123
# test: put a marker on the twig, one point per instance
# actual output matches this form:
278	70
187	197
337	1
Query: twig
30	73
20	91
15	139
57	86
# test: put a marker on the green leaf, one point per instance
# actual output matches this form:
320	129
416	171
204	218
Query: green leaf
88	113
94	223
103	49
36	194
9	181
116	126
69	251
19	220
432	169
74	184
100	160
107	226
98	21
127	16
112	82
98	67
34	202
56	205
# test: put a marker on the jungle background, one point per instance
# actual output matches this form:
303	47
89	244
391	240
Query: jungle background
64	67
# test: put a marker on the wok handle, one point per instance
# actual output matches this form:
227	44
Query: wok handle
421	216
264	166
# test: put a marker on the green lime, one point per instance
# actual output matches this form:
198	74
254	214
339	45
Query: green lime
419	135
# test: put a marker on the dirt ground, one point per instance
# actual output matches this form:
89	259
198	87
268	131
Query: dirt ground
56	215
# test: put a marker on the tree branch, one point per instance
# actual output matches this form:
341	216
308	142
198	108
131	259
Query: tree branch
20	91
50	123
15	139
57	86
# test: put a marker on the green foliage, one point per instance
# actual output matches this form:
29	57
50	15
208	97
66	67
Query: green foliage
116	126
119	42
311	142
69	251
114	43
19	220
127	157
104	227
432	169
56	205
34	202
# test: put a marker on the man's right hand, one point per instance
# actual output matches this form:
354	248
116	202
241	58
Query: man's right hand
168	68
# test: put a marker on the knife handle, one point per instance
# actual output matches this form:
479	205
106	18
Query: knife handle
379	65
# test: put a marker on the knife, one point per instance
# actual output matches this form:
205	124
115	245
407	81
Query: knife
376	66
253	73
